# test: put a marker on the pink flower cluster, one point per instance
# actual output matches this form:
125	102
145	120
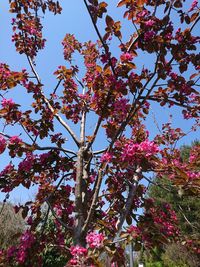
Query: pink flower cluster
70	44
27	163
194	154
150	23
132	151
15	140
126	57
31	29
193	175
21	252
7	103
6	171
26	242
44	157
166	220
79	255
106	157
121	108
95	240
2	144
149	35
78	251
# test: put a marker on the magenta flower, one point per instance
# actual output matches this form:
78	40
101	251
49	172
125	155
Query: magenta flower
15	140
95	240
106	157
193	6
7	103
2	144
150	23
149	35
126	57
78	251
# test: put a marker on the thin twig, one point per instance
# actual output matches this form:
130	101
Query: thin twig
58	219
37	147
186	219
94	200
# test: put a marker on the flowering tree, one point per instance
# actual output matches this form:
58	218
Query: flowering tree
93	195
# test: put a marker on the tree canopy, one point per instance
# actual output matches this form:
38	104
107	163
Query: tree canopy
84	142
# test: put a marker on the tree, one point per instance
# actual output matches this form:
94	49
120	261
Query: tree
187	211
94	192
186	207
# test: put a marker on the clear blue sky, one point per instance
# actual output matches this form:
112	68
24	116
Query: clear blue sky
74	19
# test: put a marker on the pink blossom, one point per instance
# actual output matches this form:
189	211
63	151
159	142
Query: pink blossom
93	177
11	251
168	36
27	240
149	148
126	57
2	144
106	157
192	158
73	262
7	170
21	256
149	35
59	211
133	231
193	175
150	22
143	13
193	6
186	115
44	157
95	240
7	103
15	140
105	58
27	164
78	251
135	152
121	108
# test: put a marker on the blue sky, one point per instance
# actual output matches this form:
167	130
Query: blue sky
74	19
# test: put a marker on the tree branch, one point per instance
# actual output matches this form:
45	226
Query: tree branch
94	200
37	147
186	219
129	202
101	39
62	122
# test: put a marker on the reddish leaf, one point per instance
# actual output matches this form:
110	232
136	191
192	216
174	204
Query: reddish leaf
109	21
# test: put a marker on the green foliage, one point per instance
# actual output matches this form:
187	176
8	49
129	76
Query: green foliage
154	264
52	255
187	211
52	258
185	150
186	207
